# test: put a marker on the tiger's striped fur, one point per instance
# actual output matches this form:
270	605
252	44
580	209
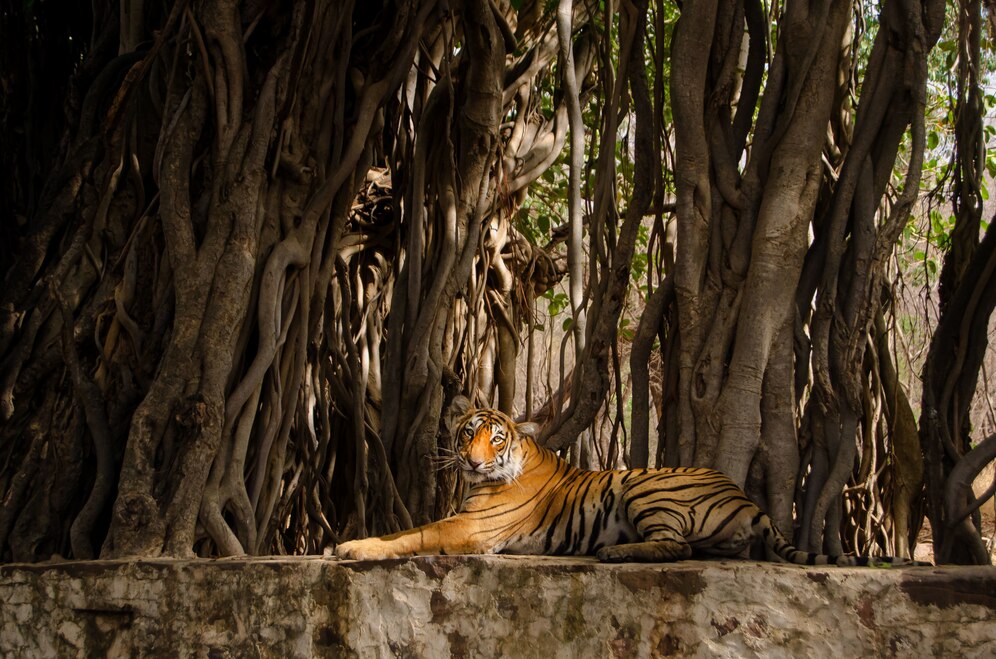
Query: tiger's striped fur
524	499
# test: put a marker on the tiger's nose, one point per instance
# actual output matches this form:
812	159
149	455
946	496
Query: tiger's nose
474	464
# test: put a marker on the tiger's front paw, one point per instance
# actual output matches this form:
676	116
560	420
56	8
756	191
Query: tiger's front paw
369	549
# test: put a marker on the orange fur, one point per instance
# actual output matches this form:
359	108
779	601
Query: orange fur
522	498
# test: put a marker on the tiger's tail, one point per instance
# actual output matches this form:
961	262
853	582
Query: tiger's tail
763	527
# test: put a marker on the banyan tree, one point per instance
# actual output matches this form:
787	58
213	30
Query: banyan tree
251	251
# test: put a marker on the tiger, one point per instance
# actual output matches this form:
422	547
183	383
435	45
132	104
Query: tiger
523	498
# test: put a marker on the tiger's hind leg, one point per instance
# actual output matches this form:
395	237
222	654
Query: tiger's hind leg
659	547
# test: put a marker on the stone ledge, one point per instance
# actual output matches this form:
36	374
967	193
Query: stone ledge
491	606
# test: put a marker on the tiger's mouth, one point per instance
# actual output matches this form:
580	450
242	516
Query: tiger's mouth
477	473
490	471
474	476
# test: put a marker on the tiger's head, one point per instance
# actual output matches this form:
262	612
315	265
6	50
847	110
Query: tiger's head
489	446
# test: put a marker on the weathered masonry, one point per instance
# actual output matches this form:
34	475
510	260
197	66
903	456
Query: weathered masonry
491	607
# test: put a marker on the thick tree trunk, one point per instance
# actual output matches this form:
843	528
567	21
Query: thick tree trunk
743	238
278	240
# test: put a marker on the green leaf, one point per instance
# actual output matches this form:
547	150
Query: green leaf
543	222
933	139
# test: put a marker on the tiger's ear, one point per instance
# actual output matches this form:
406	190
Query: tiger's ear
528	428
459	406
455	412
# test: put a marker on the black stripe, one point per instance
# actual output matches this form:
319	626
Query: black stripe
554	525
653	510
719	527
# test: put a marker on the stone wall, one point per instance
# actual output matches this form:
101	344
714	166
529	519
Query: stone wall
490	607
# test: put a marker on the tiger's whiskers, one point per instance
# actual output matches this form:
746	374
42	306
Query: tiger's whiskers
447	459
